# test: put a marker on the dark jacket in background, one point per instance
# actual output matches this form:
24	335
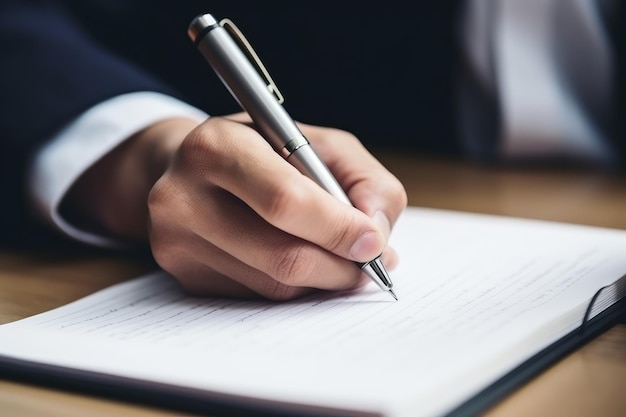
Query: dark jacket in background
386	73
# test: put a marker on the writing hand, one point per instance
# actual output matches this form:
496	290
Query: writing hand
229	216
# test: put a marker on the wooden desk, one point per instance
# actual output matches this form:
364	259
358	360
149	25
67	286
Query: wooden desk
591	381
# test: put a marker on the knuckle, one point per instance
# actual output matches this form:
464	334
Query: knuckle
340	134
393	194
295	267
163	233
283	200
195	144
334	136
399	195
338	237
348	137
167	197
202	144
164	250
158	195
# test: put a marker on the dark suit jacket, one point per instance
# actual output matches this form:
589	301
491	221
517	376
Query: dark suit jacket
386	73
376	72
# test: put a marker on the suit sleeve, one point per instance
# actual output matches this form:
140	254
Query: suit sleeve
50	73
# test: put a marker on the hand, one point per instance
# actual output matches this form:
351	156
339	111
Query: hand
229	216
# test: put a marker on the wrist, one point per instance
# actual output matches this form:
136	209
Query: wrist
111	197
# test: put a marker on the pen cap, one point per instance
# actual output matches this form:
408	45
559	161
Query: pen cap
199	25
245	84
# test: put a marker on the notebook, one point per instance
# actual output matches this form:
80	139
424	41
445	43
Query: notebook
484	303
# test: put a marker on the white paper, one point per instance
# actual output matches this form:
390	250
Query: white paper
477	296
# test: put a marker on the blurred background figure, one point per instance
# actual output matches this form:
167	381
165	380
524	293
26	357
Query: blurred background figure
495	80
541	80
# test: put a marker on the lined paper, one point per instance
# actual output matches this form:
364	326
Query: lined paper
477	295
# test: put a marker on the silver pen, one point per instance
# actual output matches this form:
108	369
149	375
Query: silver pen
223	46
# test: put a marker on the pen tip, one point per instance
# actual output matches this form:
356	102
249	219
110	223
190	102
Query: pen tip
393	294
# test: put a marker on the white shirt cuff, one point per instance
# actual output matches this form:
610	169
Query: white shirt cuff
58	165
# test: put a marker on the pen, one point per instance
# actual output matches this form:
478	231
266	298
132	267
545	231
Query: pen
221	44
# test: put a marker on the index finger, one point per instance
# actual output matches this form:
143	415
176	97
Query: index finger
235	158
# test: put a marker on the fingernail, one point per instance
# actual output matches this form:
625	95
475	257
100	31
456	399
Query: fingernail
382	222
367	246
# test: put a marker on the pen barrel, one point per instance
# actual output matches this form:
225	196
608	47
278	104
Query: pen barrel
245	84
306	161
247	87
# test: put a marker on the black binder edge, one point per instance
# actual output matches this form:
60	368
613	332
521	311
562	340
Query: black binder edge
590	328
157	395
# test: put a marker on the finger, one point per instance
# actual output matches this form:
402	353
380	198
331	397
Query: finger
235	158
227	224
205	270
199	266
202	280
209	271
370	186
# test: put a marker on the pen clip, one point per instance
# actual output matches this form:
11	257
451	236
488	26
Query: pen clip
238	36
